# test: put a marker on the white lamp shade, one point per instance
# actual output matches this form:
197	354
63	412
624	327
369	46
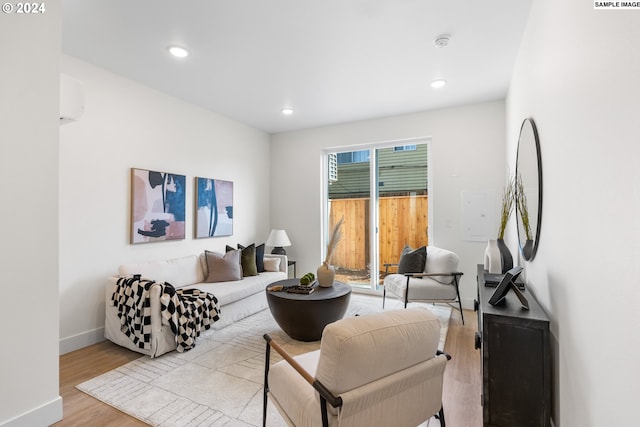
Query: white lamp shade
278	238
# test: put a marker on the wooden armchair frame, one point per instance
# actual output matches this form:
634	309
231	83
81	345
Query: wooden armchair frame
325	394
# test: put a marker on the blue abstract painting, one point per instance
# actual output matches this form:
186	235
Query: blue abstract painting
157	206
214	208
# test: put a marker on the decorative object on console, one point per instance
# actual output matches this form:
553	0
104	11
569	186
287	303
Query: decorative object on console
278	239
326	273
214	208
522	215
507	283
508	202
492	258
157	206
506	260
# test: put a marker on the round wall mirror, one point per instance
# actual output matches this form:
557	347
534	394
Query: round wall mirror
528	189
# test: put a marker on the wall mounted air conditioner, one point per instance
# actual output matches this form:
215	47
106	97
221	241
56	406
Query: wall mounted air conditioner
71	99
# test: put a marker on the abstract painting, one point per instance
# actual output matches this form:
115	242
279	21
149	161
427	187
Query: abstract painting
157	206
214	208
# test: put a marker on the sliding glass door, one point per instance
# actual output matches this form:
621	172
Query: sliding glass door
382	194
349	197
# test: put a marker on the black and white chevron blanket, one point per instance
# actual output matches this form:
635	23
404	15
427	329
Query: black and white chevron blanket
188	311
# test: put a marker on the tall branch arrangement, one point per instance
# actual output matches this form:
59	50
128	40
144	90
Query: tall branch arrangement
336	235
508	199
523	210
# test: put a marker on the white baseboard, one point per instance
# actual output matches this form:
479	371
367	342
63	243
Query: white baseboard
82	340
45	415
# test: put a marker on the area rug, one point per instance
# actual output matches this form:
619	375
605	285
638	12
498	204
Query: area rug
219	382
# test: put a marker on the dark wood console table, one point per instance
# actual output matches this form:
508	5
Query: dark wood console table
515	360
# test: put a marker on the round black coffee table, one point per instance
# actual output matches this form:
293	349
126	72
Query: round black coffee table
303	317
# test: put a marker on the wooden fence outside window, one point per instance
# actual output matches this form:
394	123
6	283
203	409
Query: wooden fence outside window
403	220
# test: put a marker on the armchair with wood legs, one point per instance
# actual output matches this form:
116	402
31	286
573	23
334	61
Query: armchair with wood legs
438	282
372	370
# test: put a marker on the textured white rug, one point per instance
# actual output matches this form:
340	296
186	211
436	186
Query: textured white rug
219	382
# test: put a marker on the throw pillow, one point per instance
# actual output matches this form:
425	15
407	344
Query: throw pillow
412	260
259	256
272	264
247	260
441	261
223	268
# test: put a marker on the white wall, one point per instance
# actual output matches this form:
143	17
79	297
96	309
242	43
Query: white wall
29	81
577	76
467	153
128	125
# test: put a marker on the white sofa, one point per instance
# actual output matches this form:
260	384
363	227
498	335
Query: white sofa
237	299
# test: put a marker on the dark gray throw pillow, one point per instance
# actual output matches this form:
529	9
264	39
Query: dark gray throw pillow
412	260
260	257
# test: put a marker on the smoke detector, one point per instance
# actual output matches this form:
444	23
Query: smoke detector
442	40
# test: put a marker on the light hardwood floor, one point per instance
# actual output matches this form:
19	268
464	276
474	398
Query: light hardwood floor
461	385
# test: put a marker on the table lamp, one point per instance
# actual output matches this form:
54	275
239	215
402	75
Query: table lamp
278	239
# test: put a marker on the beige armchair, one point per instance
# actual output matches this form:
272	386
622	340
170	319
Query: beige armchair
373	370
439	282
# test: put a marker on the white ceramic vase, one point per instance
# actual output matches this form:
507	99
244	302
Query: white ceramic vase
325	274
492	258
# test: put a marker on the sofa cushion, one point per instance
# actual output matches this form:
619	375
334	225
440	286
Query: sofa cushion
412	260
223	268
420	288
177	271
228	292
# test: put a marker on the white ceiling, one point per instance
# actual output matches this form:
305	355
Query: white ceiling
332	61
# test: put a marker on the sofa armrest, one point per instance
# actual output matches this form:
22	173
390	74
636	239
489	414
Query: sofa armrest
159	343
284	267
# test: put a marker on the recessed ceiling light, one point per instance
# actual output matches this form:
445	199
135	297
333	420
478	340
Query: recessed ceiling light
287	111
178	51
438	83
